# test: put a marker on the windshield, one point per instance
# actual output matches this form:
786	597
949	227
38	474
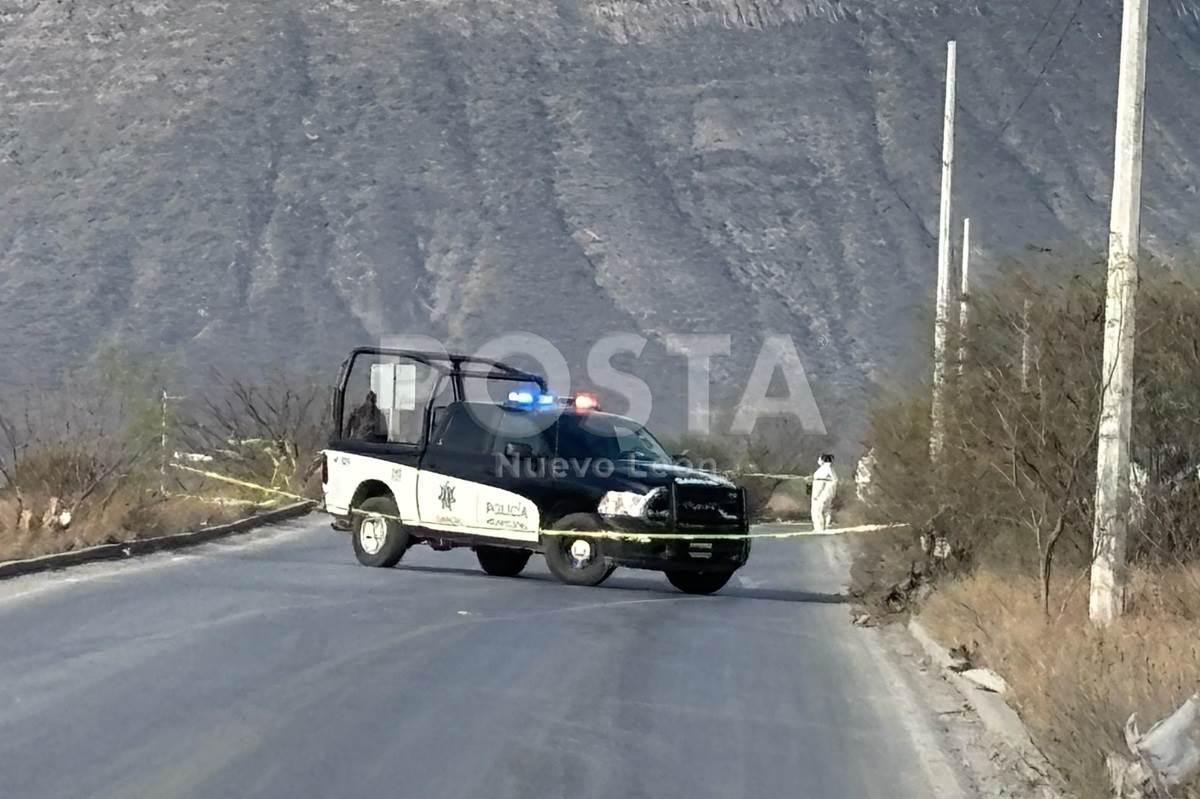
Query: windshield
612	437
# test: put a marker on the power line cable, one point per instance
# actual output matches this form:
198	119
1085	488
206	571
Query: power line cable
1045	24
1045	65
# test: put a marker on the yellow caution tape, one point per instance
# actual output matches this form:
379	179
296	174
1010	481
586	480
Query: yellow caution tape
649	537
805	477
616	535
221	500
244	483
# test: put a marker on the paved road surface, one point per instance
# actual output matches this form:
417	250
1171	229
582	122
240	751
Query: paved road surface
274	665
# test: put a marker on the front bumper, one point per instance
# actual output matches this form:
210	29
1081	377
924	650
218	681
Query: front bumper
705	554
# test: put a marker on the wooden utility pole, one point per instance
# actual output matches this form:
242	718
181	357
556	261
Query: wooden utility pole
1107	600
964	308
942	314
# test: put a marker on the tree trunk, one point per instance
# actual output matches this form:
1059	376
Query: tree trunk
1047	563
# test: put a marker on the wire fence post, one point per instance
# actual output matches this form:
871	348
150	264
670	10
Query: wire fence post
162	442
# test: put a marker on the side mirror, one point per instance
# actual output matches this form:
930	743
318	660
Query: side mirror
682	458
518	450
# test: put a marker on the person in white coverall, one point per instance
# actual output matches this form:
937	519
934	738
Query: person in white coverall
824	486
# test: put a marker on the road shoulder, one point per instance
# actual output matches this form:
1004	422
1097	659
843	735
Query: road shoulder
144	546
963	755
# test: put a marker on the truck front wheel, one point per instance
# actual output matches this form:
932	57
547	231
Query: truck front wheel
699	582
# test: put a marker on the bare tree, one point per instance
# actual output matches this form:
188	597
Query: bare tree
268	430
1022	427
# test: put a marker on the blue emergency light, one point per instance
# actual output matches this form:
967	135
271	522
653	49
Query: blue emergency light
527	398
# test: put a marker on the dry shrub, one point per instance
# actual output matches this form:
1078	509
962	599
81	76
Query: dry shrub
93	449
1074	685
134	511
781	445
778	445
889	571
1015	485
1013	493
902	482
187	513
704	451
267	432
75	450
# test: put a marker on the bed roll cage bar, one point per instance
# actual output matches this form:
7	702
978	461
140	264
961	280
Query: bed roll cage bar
455	367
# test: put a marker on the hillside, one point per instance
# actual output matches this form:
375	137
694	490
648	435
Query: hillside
273	181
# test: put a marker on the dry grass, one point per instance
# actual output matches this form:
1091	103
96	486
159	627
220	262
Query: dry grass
126	517
94	451
1074	685
1013	497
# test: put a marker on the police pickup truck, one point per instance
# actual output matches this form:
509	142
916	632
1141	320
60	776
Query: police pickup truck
456	451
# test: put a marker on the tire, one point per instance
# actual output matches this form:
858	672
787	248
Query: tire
501	562
699	582
564	553
379	540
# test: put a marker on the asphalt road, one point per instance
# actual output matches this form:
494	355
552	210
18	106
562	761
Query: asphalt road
274	665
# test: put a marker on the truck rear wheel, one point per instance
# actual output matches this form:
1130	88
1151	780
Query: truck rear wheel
501	562
379	537
576	559
699	582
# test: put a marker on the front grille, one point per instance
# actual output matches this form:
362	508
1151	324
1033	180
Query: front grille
708	507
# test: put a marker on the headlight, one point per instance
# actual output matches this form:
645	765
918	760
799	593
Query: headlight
626	503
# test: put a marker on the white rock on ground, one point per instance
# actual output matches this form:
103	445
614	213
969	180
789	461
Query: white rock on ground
987	680
1172	746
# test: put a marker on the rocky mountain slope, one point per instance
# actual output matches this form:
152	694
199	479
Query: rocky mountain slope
243	183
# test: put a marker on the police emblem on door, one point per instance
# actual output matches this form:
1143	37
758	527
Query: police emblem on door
446	496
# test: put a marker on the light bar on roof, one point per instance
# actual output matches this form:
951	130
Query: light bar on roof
520	397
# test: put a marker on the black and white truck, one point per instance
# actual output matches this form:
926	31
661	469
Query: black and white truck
456	451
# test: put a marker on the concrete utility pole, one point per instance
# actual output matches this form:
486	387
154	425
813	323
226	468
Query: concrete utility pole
964	308
1107	600
942	315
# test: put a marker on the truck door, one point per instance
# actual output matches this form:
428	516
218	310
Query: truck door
381	429
464	484
521	479
455	466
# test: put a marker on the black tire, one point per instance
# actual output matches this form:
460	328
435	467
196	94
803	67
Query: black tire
501	562
568	567
699	582
368	548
